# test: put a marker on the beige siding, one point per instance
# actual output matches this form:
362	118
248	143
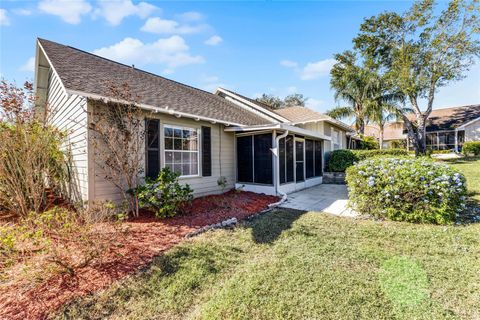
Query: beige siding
68	113
223	163
472	131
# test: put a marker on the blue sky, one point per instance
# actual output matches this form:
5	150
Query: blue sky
276	47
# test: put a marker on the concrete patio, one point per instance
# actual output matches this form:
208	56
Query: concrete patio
329	198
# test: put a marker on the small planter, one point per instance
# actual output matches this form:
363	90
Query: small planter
334	177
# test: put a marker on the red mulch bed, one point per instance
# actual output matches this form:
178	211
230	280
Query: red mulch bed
146	238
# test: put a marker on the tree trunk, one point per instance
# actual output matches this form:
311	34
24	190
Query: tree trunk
381	139
421	136
360	125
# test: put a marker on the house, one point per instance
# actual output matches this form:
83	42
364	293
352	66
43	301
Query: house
201	135
393	133
447	128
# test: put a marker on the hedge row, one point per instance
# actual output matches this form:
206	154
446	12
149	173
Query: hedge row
340	160
406	189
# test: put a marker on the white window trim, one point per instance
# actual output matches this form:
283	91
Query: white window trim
170	126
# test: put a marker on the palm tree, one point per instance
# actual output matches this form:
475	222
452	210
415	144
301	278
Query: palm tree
382	106
355	85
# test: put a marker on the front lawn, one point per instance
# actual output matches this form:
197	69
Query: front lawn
293	265
470	167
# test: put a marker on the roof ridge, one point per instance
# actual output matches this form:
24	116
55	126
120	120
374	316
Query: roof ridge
128	66
464	106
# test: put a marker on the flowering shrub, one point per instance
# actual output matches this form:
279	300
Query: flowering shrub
164	195
403	189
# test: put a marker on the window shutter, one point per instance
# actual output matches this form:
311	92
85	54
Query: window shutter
206	151
152	146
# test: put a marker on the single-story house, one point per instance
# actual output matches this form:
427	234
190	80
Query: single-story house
392	132
203	136
447	128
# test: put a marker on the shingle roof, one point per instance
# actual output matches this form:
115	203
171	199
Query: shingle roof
88	73
300	114
254	101
451	118
391	131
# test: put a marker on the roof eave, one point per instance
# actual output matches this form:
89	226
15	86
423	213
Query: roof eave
157	109
280	126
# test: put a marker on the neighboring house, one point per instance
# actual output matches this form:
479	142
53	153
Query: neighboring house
447	128
393	132
201	135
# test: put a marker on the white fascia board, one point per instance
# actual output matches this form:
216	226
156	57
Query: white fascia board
155	109
468	123
266	113
334	122
280	126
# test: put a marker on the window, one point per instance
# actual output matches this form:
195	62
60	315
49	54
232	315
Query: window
318	158
181	150
309	159
254	159
245	159
336	139
285	147
153	148
262	159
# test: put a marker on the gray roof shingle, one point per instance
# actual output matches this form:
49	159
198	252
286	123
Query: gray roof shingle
88	73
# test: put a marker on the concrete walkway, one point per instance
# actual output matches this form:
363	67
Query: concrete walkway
329	198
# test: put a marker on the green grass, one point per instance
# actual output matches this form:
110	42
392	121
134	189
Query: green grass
289	265
294	265
470	167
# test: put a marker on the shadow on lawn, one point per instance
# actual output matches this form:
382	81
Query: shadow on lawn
269	227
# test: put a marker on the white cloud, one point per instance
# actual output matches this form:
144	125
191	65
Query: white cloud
171	52
314	103
214	40
289	63
114	11
314	70
191	16
164	26
211	83
4	20
22	12
29	66
69	11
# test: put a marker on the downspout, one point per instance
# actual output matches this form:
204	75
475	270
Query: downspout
277	171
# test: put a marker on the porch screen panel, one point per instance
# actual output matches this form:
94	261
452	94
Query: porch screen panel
152	142
245	159
262	159
281	152
290	165
318	158
309	159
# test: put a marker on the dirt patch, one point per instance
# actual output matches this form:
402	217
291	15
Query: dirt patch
146	237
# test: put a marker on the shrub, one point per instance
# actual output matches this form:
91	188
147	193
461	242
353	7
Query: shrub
471	147
32	165
368	143
340	160
403	189
164	195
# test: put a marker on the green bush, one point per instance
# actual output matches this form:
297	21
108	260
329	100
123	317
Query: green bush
404	189
368	143
471	147
340	160
164	195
